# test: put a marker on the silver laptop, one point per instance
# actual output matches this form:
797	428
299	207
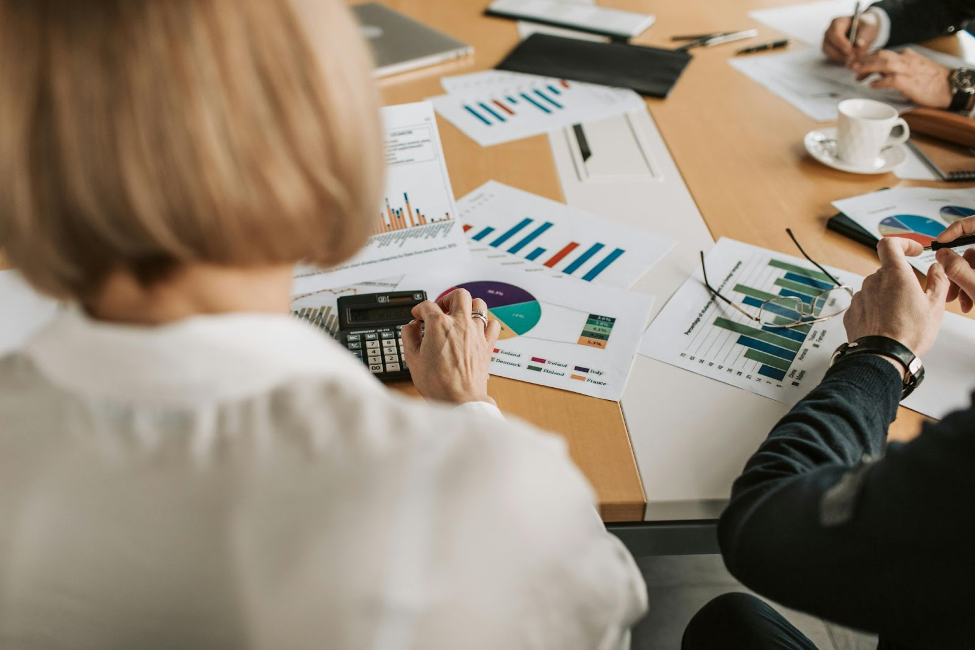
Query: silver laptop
400	43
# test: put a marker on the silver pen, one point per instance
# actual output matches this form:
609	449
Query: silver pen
854	23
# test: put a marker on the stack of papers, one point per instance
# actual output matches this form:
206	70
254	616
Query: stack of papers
493	107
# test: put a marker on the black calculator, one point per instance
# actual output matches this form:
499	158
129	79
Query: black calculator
369	326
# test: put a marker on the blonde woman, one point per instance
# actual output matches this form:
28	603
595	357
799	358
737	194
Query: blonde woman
181	464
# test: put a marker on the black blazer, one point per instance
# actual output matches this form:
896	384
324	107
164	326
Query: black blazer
918	20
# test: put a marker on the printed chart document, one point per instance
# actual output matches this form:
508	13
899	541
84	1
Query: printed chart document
564	334
558	237
24	311
416	224
812	84
493	107
917	213
702	334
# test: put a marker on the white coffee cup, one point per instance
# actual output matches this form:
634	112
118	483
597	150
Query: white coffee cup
865	128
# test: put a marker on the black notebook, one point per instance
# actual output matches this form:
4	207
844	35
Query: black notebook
842	223
647	70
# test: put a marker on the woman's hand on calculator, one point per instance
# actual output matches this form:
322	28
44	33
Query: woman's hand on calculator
450	361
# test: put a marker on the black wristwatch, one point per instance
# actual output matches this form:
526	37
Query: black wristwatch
962	85
886	347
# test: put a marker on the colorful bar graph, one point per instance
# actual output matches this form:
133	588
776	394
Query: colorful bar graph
530	237
603	264
507	235
491	112
483	233
535	103
774	349
535	254
580	261
477	114
548	98
393	219
556	259
503	107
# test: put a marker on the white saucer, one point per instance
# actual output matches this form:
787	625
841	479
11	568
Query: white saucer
820	143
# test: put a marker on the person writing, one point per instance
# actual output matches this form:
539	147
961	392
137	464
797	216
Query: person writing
891	23
184	465
827	519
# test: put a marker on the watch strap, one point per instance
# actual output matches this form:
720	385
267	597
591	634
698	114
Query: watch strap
961	96
892	349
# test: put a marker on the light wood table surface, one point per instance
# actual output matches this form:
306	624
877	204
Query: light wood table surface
739	150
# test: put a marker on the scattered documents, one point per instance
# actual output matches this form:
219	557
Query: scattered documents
24	311
565	334
702	334
812	84
804	22
416	225
917	213
493	107
558	237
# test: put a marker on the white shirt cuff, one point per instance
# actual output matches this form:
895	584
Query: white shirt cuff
885	28
482	408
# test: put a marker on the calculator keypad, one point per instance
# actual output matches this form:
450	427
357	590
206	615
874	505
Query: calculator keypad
381	349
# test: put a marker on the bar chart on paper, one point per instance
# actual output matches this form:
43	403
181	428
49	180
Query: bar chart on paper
493	106
702	334
558	237
416	223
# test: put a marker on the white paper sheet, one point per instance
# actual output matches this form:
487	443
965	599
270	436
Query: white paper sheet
417	225
805	22
564	334
493	107
704	335
559	237
949	366
23	311
917	213
811	83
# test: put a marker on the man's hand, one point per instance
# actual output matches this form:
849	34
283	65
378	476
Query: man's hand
891	302
836	44
923	81
959	269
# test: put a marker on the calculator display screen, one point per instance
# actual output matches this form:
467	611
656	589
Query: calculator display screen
381	314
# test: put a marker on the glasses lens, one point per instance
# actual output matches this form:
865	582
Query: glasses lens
833	302
786	310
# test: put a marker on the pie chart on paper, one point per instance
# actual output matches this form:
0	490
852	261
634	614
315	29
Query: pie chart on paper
515	309
911	226
951	213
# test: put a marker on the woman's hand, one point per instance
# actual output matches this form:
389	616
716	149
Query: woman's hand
960	269
450	362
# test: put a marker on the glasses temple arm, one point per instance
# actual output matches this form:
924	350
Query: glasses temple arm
808	258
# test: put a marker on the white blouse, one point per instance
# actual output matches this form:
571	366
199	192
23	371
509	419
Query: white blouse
241	481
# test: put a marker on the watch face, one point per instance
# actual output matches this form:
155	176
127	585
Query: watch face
963	79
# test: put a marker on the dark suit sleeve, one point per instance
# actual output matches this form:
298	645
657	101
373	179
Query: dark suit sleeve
819	521
918	20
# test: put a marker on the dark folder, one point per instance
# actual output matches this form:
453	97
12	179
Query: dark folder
843	224
647	70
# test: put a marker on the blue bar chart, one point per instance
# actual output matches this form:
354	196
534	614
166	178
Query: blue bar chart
558	237
753	350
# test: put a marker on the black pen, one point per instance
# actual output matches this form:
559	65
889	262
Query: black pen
765	46
966	240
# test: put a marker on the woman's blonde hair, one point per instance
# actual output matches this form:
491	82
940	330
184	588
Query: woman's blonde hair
146	134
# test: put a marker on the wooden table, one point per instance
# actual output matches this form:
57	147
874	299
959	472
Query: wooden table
739	150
